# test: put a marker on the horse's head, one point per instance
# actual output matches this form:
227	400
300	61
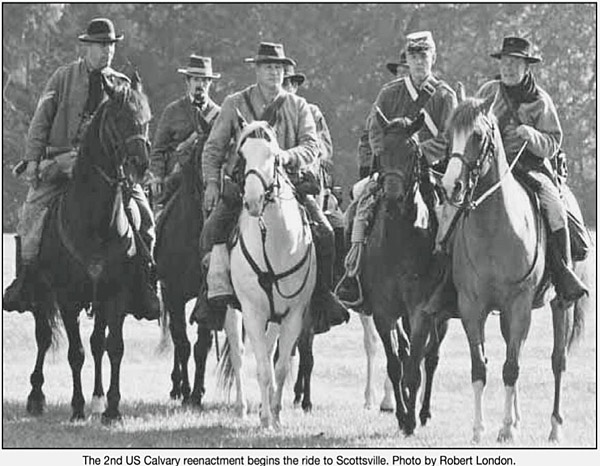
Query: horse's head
399	155
123	131
473	136
258	147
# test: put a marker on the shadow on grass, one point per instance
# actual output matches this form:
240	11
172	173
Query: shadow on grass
156	425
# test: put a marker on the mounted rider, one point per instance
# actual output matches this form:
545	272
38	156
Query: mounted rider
68	103
183	128
526	113
296	134
418	95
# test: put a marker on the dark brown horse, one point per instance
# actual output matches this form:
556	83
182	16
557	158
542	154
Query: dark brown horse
499	259
178	263
396	269
88	255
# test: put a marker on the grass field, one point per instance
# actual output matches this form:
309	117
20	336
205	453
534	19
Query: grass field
338	419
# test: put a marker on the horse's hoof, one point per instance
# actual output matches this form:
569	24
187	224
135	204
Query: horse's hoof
505	435
386	409
175	394
109	419
78	416
98	404
424	417
36	404
307	407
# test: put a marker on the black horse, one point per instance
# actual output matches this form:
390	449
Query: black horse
89	256
179	272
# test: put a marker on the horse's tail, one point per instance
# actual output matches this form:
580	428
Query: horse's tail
48	312
585	270
164	320
225	370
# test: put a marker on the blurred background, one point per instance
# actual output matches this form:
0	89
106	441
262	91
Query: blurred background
342	48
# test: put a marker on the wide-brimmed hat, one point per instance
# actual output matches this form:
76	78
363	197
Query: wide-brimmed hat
269	52
101	30
419	41
517	47
290	73
393	66
200	67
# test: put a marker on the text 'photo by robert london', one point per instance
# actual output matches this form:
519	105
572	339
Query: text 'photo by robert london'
279	234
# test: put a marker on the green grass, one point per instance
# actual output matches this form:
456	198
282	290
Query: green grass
338	419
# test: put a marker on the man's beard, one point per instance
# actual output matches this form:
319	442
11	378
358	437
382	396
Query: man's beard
199	98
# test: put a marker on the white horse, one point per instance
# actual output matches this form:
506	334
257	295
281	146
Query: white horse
273	263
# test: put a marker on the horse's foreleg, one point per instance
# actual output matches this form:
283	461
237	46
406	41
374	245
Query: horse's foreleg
516	321
290	331
255	326
98	346
76	356
175	303
201	350
115	348
233	329
559	364
432	358
394	368
474	324
302	387
36	401
370	344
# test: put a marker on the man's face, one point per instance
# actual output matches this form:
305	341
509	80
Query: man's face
512	70
420	64
99	55
269	75
198	87
290	86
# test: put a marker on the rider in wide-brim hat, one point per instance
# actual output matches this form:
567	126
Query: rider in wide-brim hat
101	30
517	47
269	52
200	67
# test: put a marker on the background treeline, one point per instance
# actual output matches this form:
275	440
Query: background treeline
342	48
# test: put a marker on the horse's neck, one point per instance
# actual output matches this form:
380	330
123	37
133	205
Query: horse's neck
506	208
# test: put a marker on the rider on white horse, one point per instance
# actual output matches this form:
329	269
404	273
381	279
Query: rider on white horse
296	135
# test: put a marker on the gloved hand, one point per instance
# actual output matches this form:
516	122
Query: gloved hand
211	196
30	175
525	132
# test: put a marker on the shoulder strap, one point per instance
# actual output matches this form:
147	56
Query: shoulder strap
270	113
246	95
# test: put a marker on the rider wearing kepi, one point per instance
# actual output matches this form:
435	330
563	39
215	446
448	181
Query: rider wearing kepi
183	128
296	136
418	95
68	103
526	113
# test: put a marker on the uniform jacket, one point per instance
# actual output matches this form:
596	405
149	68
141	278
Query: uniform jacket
177	123
295	129
397	99
323	134
539	114
59	121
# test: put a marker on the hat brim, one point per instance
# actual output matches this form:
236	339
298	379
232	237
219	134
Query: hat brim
298	78
198	74
100	40
393	67
259	60
527	58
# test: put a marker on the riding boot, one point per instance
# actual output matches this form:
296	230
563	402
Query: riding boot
19	295
568	285
327	310
146	301
216	291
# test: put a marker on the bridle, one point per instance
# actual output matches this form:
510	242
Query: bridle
116	147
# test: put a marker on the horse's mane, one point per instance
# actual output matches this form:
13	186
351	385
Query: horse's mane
468	115
261	128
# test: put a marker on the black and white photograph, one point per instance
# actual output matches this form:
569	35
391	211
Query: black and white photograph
272	234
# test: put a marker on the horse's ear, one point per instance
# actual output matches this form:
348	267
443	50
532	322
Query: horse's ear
460	92
241	120
486	105
136	81
109	87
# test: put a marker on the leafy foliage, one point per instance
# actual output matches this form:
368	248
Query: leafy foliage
342	48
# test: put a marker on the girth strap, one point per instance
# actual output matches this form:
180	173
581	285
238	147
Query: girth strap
268	278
